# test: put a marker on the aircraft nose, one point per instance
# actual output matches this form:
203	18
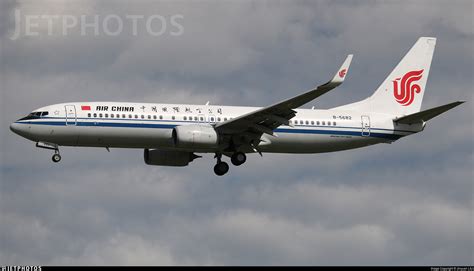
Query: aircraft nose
14	127
17	128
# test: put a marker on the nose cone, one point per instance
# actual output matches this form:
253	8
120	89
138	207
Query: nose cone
18	129
23	129
14	127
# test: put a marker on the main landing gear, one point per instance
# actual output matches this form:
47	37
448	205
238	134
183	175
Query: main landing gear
222	168
238	158
56	156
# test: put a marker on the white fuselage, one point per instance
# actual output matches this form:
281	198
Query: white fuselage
149	126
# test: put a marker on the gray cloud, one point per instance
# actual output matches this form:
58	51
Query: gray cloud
401	204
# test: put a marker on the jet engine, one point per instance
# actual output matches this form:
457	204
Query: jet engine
168	158
195	137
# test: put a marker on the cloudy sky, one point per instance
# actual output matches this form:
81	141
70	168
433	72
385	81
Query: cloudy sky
408	203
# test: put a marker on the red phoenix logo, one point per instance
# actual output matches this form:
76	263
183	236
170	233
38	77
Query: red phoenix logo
404	90
342	73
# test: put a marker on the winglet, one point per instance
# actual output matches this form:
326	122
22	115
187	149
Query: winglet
342	72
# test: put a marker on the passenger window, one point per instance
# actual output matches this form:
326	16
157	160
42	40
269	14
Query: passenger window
185	118
142	116
324	123
334	123
129	116
212	119
106	115
112	115
89	115
161	117
195	118
149	117
218	119
225	119
307	122
95	115
317	123
201	118
123	116
100	115
154	117
312	122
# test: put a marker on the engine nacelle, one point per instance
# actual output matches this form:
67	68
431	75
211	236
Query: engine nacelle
195	137
168	158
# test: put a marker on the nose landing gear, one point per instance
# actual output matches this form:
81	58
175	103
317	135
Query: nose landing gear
56	156
49	146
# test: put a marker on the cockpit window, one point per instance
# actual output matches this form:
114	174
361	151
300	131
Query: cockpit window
35	115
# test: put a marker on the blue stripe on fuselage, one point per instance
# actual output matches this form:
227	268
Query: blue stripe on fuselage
193	122
170	126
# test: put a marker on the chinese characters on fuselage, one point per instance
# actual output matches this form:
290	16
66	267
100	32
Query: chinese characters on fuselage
156	109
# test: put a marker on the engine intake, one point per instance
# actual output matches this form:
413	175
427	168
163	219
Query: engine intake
168	158
195	137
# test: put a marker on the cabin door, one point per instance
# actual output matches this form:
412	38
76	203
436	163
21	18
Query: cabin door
71	118
365	125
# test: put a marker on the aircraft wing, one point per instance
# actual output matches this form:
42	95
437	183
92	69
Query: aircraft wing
266	119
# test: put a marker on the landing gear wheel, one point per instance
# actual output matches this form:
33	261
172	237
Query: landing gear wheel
56	158
238	158
221	168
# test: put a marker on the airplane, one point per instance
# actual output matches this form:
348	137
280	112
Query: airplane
174	134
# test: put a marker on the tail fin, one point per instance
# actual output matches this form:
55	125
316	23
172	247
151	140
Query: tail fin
401	93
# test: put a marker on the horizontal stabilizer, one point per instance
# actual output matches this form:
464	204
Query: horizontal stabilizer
428	114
